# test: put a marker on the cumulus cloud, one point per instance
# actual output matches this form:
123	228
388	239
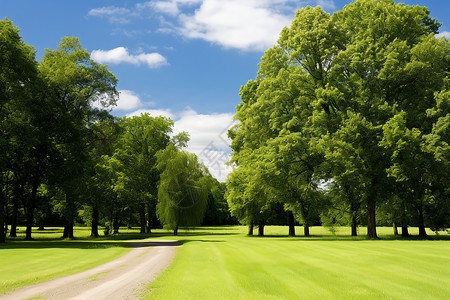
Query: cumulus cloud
121	55
208	136
128	100
250	25
153	113
245	25
208	139
166	7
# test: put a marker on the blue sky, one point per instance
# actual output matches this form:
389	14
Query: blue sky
185	59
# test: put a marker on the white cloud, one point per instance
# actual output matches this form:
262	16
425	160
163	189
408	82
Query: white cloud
444	34
208	139
121	55
207	133
170	8
128	100
326	4
244	25
250	25
112	13
153	113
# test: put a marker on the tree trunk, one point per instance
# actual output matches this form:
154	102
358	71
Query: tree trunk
395	228
405	232
420	222
142	217
291	222
354	224
30	209
250	229
68	230
13	231
2	219
261	230
94	225
306	228
371	222
116	225
149	218
175	230
354	210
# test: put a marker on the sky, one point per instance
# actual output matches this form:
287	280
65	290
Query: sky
184	59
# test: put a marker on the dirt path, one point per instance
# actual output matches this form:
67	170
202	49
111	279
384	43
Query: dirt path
123	278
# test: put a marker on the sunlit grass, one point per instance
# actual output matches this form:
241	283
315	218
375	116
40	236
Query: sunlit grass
223	263
48	256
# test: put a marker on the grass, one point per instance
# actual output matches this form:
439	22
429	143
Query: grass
47	256
222	263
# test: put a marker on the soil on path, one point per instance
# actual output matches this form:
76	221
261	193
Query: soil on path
122	278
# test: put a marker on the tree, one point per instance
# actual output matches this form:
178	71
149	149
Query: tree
325	91
183	188
18	132
143	136
74	82
217	210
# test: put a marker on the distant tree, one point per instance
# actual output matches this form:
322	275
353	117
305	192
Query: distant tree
182	190
217	211
142	137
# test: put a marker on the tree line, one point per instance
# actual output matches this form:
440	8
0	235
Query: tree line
66	161
348	117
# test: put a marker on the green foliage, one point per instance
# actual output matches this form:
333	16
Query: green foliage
183	188
357	99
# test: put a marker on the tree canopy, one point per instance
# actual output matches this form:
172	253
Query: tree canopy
349	100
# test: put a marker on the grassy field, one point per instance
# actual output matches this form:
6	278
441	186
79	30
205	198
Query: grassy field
222	263
30	262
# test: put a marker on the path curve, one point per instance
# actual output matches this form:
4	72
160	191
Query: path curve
122	278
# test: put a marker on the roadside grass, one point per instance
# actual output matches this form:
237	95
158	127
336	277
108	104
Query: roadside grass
48	256
223	263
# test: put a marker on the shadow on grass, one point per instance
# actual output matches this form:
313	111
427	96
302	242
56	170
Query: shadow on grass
313	238
182	242
87	244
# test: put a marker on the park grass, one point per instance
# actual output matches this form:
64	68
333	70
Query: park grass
48	256
223	263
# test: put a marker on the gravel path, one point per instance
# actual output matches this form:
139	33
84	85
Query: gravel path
123	278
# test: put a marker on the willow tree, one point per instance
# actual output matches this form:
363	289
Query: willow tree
182	190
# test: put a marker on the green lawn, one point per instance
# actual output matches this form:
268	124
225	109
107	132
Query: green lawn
222	263
30	262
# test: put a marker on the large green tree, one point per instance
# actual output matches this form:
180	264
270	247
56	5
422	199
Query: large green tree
74	82
325	91
20	123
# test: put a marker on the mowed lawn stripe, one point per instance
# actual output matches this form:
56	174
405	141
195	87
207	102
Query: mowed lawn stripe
239	267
